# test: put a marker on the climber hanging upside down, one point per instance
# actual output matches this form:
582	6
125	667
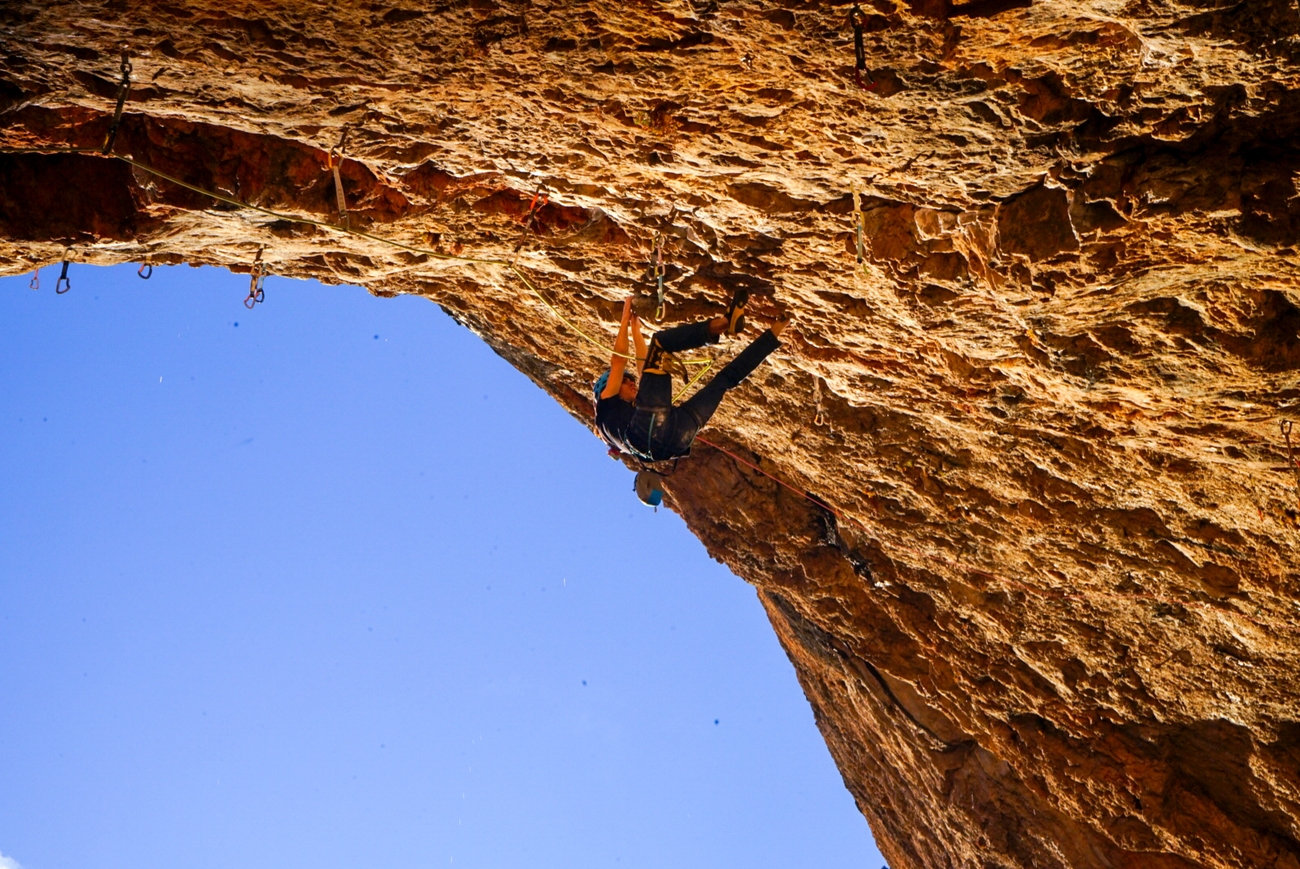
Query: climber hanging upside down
640	420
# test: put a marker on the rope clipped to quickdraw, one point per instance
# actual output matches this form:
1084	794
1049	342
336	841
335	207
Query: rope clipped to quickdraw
335	160
860	74
256	280
145	271
64	283
123	89
655	273
859	228
36	279
530	216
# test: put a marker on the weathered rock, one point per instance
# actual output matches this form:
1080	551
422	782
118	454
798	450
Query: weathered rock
1043	596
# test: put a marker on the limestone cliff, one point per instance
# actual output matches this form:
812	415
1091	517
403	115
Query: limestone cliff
1043	591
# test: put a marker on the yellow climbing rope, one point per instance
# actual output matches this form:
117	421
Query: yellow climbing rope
348	230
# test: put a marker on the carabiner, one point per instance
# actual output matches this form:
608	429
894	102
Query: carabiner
64	283
146	271
256	281
36	279
256	293
657	271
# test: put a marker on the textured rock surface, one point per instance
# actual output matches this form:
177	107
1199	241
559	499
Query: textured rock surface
1051	619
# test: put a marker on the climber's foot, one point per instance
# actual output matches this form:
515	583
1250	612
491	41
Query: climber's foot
736	312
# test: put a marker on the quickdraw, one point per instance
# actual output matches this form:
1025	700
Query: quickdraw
64	283
859	228
36	279
655	272
145	271
860	74
256	280
335	160
1286	426
820	419
123	89
530	216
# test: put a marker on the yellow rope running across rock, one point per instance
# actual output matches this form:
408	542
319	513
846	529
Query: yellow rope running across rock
609	350
359	233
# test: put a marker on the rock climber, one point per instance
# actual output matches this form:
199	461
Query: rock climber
640	420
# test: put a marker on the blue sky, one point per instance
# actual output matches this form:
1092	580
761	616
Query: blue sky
337	587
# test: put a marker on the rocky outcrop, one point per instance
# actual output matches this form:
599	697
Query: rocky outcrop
1015	494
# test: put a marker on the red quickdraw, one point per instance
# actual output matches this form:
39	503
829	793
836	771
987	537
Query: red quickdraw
145	271
36	279
530	216
539	200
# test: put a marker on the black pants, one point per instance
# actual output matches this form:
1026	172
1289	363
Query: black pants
659	431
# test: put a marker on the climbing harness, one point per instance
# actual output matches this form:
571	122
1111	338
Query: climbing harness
860	74
256	280
36	279
335	160
859	228
1286	426
655	273
145	271
64	283
123	89
530	216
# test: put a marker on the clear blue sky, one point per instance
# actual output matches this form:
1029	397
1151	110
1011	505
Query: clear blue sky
337	587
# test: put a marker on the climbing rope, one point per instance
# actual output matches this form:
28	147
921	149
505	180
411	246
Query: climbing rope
64	284
357	233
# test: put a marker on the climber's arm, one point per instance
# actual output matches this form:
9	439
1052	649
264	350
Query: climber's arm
618	361
639	341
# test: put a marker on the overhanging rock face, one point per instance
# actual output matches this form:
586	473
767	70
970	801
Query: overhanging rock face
1043	593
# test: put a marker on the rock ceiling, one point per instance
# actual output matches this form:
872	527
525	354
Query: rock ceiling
1015	494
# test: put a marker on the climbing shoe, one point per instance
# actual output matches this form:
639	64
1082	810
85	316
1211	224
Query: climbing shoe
736	311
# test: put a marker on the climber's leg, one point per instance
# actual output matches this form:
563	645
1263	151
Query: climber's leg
692	336
702	405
